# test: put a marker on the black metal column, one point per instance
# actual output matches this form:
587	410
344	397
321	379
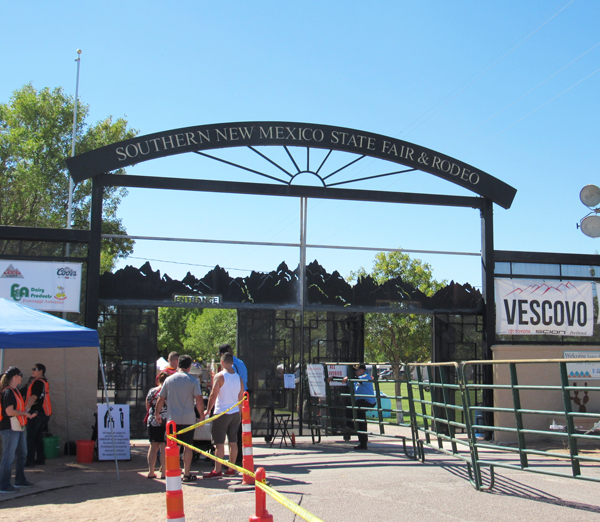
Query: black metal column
489	310
93	268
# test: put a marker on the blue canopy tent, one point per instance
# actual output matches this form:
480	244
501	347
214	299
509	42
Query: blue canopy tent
22	327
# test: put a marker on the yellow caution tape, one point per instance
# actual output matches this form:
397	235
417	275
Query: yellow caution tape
284	501
224	462
194	426
292	506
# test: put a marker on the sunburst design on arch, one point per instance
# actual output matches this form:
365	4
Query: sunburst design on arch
288	175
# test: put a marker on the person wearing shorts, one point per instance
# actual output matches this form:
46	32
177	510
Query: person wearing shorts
227	391
183	396
156	430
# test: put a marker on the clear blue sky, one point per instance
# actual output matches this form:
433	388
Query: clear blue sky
509	87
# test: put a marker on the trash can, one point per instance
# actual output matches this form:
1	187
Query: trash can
51	447
386	404
85	451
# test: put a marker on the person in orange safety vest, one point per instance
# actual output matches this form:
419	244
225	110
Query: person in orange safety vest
13	419
37	401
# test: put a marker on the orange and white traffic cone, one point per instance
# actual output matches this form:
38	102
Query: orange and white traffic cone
262	515
173	472
247	456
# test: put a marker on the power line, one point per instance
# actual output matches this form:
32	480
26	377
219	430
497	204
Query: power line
535	110
523	96
485	71
188	264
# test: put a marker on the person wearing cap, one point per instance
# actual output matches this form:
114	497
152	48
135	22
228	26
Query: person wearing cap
13	419
365	398
37	401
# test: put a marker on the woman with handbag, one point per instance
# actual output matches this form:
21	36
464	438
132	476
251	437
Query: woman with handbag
13	419
156	431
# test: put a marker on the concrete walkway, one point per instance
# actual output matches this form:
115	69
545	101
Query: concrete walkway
328	479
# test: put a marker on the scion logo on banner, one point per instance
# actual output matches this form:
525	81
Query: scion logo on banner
12	272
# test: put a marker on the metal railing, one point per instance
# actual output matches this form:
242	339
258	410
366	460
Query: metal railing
534	427
555	450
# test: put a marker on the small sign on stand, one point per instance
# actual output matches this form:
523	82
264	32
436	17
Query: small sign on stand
113	426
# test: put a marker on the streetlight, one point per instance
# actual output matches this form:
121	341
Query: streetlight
590	224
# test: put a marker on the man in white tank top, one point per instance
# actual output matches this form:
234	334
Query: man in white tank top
227	390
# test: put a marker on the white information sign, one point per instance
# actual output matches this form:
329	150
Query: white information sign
339	371
289	380
118	421
316	380
580	370
43	285
536	307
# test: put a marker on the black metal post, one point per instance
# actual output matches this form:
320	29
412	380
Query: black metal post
489	306
93	268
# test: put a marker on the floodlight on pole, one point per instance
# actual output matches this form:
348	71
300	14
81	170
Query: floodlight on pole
590	224
590	196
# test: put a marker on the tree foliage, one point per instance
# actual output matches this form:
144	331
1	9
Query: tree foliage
205	332
35	138
399	338
172	326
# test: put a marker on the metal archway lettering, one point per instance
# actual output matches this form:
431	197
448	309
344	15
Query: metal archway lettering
202	138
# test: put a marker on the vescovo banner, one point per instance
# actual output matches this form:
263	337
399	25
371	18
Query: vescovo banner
537	307
44	285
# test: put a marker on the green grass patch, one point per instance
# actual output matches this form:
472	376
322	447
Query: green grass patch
389	389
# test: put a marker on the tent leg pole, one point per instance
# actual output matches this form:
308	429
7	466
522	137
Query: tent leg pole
66	393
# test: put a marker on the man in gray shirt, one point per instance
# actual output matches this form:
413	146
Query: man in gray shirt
182	393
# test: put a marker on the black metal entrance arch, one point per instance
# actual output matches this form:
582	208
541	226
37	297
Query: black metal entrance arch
98	163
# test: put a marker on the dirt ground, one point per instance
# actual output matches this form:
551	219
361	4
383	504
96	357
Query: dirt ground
67	491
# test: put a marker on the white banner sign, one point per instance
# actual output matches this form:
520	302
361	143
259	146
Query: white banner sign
339	371
316	380
115	424
580	370
44	285
536	307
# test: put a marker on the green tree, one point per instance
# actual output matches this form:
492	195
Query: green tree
35	138
206	332
172	326
399	338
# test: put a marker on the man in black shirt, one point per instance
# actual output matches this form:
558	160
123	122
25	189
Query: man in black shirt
37	401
